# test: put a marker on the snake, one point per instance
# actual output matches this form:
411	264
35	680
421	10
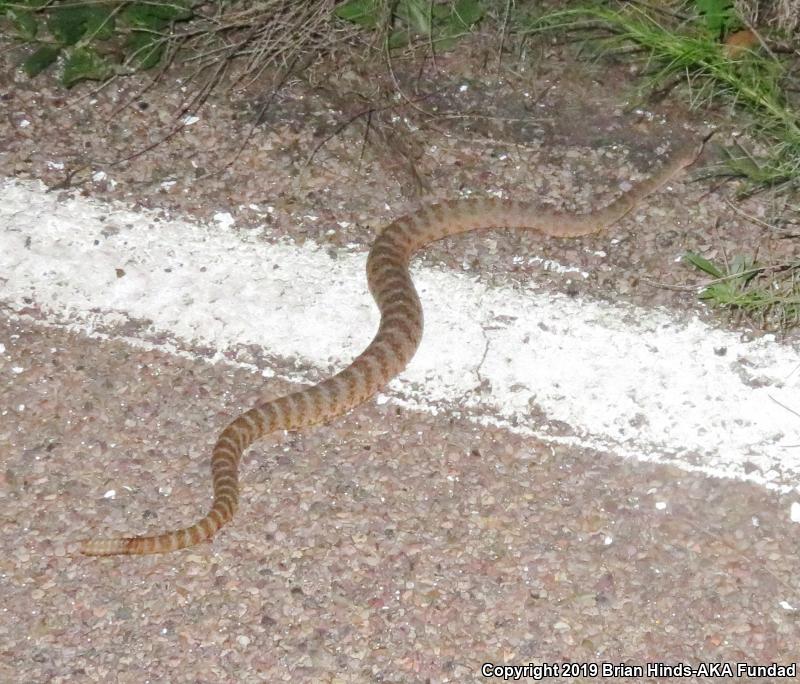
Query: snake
398	336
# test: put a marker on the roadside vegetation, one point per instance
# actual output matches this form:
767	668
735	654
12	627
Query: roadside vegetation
733	56
712	53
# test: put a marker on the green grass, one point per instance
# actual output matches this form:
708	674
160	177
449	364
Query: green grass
439	24
685	46
767	296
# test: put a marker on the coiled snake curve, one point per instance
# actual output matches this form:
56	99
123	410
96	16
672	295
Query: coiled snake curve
394	344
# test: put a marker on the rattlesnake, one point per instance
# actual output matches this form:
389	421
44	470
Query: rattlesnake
392	347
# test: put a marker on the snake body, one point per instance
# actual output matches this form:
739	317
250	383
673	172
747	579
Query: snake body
391	349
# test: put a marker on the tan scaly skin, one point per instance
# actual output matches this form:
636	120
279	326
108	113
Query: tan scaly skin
393	346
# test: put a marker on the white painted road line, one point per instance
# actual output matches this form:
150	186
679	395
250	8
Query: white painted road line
635	382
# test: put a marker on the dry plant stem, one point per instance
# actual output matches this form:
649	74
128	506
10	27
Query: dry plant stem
398	336
390	145
749	217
